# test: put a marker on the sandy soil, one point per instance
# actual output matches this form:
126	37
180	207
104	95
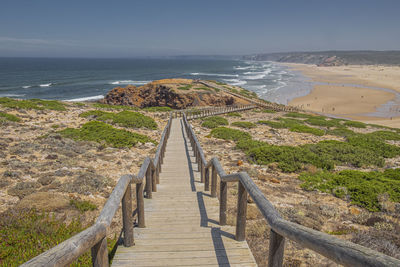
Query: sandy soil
339	98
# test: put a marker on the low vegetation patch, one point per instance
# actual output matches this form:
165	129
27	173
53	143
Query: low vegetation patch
185	87
107	106
362	188
32	104
82	205
157	109
124	118
305	129
321	121
229	134
101	132
26	234
244	124
8	117
214	122
267	110
355	124
298	115
234	114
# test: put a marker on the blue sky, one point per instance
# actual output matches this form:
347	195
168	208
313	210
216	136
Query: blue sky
88	28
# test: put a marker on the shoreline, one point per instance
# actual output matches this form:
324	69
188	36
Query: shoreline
352	92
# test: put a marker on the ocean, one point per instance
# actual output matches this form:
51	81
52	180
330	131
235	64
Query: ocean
91	79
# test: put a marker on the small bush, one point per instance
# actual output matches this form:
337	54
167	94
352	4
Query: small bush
9	117
355	124
32	104
341	132
298	115
101	132
234	114
363	188
273	124
157	109
214	122
244	124
321	121
306	129
372	143
186	87
26	234
82	205
229	134
107	106
124	118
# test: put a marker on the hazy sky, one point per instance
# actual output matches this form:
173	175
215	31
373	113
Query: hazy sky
97	28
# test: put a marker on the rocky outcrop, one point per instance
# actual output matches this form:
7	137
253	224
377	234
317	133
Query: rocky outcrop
156	94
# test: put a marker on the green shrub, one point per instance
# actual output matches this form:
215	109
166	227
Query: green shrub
185	87
298	115
321	121
341	132
355	124
229	134
82	205
234	114
124	118
305	129
9	117
32	104
107	106
244	124
384	135
363	188
101	132
26	234
374	144
273	124
157	109
214	122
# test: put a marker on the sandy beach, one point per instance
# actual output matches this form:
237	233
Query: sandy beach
365	93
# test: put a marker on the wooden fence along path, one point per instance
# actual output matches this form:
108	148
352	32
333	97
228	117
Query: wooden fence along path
182	223
182	219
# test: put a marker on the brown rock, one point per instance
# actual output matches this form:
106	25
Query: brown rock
157	94
274	180
355	210
239	163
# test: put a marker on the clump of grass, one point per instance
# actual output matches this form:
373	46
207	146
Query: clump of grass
107	106
244	124
363	188
234	114
82	205
214	122
298	115
229	134
157	109
355	124
273	124
9	117
321	121
124	118
55	126
185	87
101	132
32	104
305	129
26	234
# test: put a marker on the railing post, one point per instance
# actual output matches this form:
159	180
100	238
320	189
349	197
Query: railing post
207	180
153	180
241	213
213	181
223	202
148	184
276	249
127	217
140	205
202	172
100	254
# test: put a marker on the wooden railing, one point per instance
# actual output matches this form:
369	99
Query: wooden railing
340	251
255	101
196	113
94	237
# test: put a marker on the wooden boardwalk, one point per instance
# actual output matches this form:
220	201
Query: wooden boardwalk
182	220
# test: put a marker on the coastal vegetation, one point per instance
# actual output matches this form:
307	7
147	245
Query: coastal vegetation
234	114
124	118
101	132
8	117
32	104
213	122
244	124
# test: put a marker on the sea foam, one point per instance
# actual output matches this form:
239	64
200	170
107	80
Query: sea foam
88	98
129	82
213	74
45	85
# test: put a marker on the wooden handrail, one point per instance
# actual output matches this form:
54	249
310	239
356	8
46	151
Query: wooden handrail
94	237
338	250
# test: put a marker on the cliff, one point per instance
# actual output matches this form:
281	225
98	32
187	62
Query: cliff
174	93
